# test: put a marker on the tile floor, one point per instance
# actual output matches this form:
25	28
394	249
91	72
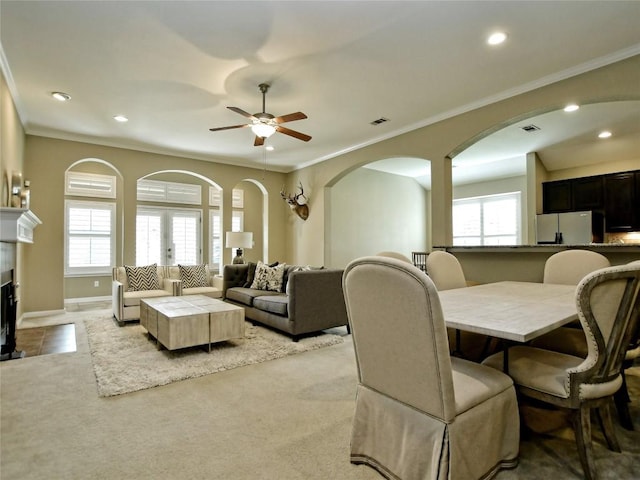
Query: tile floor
46	340
50	339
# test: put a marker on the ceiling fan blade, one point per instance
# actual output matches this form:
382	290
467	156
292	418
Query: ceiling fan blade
290	117
258	142
229	128
293	133
242	112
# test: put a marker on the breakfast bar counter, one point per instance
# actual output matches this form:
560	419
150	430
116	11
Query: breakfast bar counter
525	263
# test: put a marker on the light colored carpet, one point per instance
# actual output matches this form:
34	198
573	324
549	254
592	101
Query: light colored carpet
125	359
286	419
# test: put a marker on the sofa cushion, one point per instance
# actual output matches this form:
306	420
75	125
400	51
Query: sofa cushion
272	303
245	296
142	278
194	276
132	298
212	292
268	278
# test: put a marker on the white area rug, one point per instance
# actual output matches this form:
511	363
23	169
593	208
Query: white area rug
126	360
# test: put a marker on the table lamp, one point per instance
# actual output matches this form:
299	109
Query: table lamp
239	240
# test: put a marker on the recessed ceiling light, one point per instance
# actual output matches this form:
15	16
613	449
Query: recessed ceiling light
604	134
496	38
120	118
270	148
572	107
61	96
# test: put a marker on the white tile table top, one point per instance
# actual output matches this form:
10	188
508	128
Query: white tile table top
518	311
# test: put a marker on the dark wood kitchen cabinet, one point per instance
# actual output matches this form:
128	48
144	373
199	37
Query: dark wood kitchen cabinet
556	196
622	202
588	193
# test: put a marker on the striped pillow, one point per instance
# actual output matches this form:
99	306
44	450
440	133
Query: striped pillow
142	278
194	276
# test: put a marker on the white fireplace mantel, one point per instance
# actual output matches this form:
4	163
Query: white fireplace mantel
17	224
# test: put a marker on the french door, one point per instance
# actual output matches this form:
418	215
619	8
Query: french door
168	236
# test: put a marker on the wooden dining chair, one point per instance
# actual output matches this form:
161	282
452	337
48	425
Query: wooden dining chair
421	413
419	259
607	302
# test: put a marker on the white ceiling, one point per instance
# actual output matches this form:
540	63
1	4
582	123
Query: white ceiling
172	67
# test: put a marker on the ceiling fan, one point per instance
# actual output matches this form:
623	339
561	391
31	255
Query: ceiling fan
264	124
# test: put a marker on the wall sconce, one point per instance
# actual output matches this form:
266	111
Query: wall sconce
239	240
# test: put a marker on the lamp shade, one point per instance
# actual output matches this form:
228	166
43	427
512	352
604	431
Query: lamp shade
239	239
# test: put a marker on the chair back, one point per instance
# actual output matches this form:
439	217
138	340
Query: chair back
397	255
607	302
399	334
445	271
420	260
570	266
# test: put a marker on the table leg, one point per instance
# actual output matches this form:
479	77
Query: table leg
505	356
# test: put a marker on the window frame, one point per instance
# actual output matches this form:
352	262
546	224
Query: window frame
482	236
92	270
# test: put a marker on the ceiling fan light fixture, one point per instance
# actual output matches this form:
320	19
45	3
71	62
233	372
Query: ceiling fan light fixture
263	130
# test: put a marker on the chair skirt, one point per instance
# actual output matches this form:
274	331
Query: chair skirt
402	442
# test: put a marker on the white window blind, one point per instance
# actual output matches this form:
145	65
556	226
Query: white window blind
90	185
215	248
169	192
89	240
168	236
487	220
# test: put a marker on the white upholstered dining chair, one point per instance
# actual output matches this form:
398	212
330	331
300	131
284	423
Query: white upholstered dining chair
568	267
421	413
607	303
445	270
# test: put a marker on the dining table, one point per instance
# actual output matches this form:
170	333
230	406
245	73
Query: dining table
514	312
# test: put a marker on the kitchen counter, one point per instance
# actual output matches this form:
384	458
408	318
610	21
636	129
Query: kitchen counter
525	263
596	247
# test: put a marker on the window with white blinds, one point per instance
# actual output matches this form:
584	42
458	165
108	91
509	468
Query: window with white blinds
90	185
168	236
169	192
487	220
89	239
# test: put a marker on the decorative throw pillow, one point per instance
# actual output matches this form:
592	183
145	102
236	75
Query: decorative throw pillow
142	278
250	275
193	276
268	278
252	272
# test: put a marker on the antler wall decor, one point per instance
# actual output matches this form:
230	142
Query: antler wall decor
297	203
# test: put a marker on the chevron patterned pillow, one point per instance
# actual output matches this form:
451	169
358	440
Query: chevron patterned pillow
142	278
193	276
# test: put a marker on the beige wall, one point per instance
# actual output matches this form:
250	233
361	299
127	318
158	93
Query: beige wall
372	211
309	243
46	161
12	139
289	238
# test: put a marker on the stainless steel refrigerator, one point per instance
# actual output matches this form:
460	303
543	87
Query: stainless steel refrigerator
571	228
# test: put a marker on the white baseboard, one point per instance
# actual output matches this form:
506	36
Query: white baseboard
42	313
87	299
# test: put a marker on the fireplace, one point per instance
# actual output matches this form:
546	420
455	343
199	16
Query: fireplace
16	226
8	317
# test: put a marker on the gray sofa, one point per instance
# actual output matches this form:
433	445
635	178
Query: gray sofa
310	300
